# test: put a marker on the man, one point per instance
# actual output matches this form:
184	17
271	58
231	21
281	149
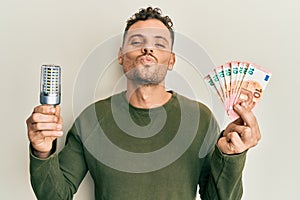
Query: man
143	120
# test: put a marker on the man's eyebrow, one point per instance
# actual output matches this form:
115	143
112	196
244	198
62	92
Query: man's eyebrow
135	35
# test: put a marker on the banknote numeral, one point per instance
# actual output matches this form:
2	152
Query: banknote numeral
251	71
235	70
215	77
257	93
211	83
228	72
221	74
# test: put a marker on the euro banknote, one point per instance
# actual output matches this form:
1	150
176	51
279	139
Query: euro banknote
236	82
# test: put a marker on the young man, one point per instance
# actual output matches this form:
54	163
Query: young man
142	143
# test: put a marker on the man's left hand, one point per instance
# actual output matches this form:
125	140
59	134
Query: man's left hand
240	134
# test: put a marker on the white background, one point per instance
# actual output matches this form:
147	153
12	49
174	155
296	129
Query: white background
64	32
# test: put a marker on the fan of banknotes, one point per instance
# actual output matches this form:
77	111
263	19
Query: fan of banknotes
236	82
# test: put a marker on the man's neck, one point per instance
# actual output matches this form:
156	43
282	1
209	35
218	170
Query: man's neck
147	96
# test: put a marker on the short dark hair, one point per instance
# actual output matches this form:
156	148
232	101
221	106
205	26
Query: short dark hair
150	13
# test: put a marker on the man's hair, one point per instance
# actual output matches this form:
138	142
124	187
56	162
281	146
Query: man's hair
150	13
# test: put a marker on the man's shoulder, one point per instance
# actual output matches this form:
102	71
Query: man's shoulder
95	112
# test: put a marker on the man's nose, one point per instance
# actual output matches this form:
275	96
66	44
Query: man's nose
147	50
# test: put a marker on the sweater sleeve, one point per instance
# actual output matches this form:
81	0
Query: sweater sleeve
58	177
222	177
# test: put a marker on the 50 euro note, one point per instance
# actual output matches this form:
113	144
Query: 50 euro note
250	87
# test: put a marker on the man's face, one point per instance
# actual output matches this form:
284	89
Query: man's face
146	53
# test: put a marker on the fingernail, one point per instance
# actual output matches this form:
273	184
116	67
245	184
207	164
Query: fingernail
52	110
237	106
60	133
58	126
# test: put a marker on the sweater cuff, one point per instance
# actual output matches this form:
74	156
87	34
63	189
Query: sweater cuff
234	163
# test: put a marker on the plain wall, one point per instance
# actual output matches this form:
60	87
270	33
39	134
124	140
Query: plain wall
36	32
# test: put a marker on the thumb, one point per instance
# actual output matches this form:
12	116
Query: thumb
224	145
57	110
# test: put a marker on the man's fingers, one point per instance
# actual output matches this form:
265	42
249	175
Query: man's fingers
246	114
224	146
246	133
42	141
240	129
250	120
45	126
231	144
40	118
57	113
237	145
239	121
45	117
60	120
45	109
241	134
57	110
38	135
232	127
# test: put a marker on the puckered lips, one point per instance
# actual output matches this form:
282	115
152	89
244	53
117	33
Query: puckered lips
147	60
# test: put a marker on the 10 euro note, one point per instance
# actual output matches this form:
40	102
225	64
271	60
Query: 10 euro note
247	83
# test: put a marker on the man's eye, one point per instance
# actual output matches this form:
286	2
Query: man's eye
160	45
136	43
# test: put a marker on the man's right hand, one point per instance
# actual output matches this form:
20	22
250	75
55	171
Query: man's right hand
44	125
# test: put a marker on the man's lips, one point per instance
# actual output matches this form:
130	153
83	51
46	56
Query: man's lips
147	60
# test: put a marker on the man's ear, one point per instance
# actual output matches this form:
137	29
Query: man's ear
120	56
171	61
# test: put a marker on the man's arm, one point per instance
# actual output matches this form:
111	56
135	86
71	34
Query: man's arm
53	175
221	177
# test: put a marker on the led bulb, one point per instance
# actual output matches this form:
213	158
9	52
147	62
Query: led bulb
50	89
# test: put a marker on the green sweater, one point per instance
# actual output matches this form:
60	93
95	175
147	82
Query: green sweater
138	154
